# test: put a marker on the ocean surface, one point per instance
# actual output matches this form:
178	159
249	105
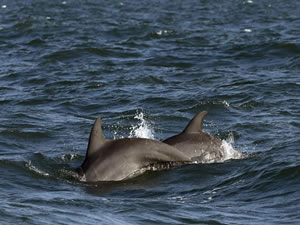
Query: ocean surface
147	67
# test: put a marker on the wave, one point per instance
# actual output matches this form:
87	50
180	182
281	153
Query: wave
32	168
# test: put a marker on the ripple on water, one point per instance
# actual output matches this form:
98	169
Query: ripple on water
64	63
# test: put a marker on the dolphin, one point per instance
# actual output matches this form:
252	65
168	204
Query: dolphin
200	146
120	159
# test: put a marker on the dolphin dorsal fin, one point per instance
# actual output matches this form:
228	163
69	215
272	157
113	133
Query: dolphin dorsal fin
195	125
97	138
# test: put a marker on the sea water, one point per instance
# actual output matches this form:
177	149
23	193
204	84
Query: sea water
147	67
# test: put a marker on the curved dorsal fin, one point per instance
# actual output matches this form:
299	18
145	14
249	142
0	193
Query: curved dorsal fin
195	125
96	139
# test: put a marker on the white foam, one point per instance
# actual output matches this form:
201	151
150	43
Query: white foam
67	157
225	103
247	30
143	129
229	151
162	32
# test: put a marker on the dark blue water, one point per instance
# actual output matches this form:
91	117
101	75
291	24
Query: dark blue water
64	63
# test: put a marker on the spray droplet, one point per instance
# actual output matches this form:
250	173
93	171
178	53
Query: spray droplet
143	129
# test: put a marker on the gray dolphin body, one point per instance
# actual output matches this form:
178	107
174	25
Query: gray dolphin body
198	145
113	160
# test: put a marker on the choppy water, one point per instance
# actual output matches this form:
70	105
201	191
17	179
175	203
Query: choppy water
63	63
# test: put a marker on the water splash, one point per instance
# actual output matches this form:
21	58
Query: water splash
229	151
143	129
163	32
35	170
116	131
68	157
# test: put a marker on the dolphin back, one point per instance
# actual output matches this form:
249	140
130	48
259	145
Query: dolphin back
112	160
